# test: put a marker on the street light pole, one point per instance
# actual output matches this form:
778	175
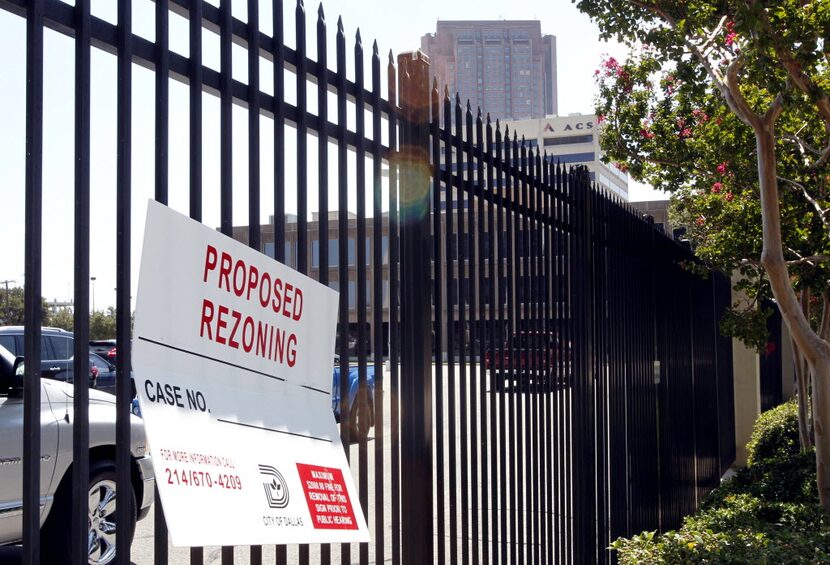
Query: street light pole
6	310
93	293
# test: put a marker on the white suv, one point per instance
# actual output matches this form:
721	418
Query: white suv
56	464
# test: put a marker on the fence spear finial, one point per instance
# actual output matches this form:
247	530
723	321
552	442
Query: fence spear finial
375	48
321	16
357	39
340	30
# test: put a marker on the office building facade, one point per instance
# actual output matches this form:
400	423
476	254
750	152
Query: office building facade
506	68
572	140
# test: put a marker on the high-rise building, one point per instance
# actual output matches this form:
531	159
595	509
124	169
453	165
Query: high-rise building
507	68
571	140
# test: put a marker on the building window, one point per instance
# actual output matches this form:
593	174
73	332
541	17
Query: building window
549	141
333	253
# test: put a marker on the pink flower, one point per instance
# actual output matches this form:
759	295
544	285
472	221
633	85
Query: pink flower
729	196
722	168
622	167
730	38
600	119
700	220
687	132
647	134
716	187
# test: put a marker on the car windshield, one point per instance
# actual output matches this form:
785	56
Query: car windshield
533	341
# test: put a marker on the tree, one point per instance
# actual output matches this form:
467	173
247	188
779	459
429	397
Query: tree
102	324
12	305
759	72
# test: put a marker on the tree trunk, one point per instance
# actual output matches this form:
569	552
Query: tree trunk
803	397
815	350
821	411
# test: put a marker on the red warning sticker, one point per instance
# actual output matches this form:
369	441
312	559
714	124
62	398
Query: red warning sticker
327	498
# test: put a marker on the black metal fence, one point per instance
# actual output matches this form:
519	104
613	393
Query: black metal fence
555	375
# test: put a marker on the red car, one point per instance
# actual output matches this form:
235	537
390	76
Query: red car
536	355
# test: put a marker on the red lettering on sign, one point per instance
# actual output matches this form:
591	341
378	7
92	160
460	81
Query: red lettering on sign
327	498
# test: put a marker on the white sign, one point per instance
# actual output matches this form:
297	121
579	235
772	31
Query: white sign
233	357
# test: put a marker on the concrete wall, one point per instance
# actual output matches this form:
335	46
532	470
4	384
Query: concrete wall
747	396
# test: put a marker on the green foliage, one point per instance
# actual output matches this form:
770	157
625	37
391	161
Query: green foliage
63	318
668	122
775	434
767	513
12	307
102	324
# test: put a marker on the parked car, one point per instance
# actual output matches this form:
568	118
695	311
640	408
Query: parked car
538	358
56	466
105	379
56	352
360	421
106	348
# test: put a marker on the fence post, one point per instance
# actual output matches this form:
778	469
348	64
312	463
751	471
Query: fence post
416	311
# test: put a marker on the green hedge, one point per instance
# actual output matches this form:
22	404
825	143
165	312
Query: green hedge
768	512
775	434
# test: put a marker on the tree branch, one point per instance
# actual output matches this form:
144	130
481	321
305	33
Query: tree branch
713	36
824	331
813	202
803	144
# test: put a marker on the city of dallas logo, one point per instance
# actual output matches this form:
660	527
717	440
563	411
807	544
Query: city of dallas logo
276	489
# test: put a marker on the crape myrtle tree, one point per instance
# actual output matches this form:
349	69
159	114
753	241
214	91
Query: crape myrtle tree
726	105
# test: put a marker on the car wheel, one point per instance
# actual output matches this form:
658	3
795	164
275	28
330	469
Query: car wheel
102	524
359	423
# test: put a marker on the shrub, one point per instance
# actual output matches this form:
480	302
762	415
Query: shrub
775	434
768	512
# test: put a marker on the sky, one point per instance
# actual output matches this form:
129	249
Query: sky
396	26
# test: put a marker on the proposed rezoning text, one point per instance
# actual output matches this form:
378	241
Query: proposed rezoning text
279	301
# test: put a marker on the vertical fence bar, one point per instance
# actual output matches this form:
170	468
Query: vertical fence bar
342	232
360	252
416	456
195	93
32	292
480	320
441	181
302	169
80	421
323	175
123	277
551	369
510	366
492	345
464	201
500	349
394	304
254	230
226	146
378	305
281	557
161	166
453	302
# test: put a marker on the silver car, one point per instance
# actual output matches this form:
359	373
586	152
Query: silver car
56	463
